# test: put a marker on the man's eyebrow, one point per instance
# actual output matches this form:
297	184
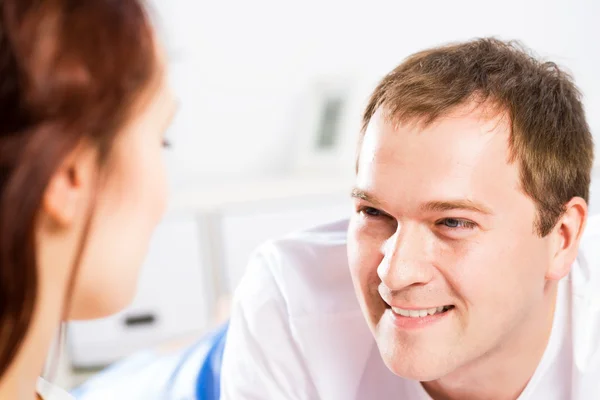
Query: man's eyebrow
461	204
364	195
431	206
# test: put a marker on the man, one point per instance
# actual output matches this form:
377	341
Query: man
462	254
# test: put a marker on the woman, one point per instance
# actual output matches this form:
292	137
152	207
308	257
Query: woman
83	109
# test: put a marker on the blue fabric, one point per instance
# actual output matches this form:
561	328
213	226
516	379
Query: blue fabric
208	384
190	373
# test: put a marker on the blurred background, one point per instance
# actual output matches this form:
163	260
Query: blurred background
271	96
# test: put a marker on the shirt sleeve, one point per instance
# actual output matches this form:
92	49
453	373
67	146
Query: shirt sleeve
261	358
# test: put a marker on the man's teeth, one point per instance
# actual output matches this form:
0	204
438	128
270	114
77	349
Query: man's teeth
419	313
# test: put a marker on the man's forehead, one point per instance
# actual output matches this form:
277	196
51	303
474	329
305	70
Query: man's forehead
466	129
464	154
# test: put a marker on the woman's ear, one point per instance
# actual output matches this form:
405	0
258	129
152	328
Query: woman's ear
567	235
69	189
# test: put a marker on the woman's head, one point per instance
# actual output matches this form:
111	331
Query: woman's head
83	108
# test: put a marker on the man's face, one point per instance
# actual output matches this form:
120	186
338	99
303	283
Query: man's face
443	253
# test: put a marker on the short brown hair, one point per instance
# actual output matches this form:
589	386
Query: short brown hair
549	136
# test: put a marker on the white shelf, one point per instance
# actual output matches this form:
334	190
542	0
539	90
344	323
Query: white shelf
210	197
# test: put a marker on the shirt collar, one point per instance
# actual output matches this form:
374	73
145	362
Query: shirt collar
48	391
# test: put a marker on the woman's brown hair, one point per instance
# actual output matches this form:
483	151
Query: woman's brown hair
71	71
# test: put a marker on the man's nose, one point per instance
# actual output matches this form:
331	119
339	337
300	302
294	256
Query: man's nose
405	262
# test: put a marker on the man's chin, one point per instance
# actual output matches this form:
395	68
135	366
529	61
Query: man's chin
421	373
423	366
420	357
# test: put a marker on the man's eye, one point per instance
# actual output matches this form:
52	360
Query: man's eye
455	223
370	212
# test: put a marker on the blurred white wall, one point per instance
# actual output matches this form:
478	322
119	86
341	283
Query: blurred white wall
244	73
241	68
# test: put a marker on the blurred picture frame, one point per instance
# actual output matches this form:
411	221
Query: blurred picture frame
323	123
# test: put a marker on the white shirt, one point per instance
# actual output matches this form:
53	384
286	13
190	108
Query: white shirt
297	331
48	391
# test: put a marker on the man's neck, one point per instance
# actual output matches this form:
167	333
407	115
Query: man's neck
504	373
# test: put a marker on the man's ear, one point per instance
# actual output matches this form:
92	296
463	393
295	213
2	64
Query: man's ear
566	237
69	189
